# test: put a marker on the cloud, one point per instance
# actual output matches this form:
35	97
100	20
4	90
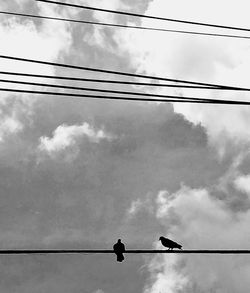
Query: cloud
85	202
139	205
14	115
20	3
65	136
28	40
198	220
163	277
242	183
9	125
112	4
207	59
99	291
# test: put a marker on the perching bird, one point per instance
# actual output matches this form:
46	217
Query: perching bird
119	248
169	243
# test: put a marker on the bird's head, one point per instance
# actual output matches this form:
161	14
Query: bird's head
161	238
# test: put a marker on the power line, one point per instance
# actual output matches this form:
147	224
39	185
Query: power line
117	72
111	81
108	91
105	91
121	81
105	251
145	16
123	25
172	99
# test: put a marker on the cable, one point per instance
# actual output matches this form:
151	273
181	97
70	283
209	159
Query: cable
123	26
109	81
116	72
103	90
130	251
120	81
107	91
171	99
146	16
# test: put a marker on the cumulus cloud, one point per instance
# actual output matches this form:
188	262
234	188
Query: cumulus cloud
215	60
198	220
65	136
111	187
163	277
27	38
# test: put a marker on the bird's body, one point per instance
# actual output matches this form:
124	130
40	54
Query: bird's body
169	243
119	248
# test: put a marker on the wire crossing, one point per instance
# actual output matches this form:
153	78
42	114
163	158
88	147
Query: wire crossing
146	16
105	251
123	25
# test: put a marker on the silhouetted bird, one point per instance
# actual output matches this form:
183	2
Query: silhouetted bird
119	248
169	243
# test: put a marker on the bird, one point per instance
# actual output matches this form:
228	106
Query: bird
119	249
169	243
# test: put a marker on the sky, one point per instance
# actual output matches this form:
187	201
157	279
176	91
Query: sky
81	173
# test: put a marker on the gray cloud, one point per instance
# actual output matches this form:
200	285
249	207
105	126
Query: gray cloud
81	197
198	220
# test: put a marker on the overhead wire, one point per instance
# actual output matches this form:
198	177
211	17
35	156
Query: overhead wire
146	28
122	82
130	251
145	16
109	81
91	69
73	95
172	99
109	91
104	90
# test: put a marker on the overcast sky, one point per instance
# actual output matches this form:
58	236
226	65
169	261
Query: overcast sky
81	173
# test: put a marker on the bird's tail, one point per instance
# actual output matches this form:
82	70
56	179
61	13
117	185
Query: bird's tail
120	257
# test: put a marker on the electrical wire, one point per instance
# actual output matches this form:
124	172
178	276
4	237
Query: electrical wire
118	72
103	90
120	81
73	95
110	81
171	99
123	25
130	251
145	16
